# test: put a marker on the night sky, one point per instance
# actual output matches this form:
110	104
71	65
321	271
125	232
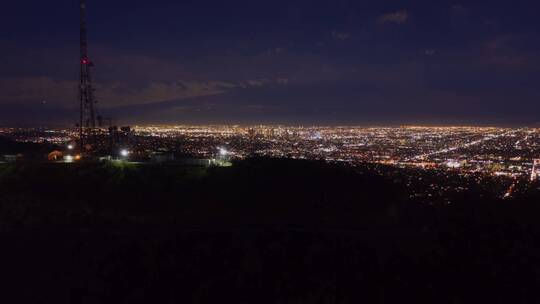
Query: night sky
292	62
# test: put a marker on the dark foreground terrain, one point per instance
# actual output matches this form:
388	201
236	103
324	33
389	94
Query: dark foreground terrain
261	231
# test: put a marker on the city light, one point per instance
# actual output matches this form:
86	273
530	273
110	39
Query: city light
490	151
453	164
223	152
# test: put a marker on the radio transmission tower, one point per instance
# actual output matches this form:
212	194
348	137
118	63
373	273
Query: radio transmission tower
88	120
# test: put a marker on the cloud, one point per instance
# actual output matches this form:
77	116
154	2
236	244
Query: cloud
500	51
459	10
17	90
63	93
262	82
460	15
399	17
119	94
340	35
274	51
430	52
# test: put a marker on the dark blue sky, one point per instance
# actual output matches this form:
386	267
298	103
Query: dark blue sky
295	61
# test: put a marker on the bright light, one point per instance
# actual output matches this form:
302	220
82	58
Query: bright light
70	147
124	152
453	164
69	158
223	152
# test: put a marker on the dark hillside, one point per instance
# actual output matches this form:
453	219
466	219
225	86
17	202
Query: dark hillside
261	231
29	150
255	192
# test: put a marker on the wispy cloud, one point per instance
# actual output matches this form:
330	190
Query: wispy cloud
499	51
19	90
35	90
341	35
274	51
399	17
430	52
120	94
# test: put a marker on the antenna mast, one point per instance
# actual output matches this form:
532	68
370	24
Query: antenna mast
87	119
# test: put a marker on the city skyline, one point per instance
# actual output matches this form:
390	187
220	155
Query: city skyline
507	157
